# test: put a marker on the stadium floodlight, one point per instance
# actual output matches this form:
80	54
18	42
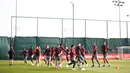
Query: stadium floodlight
119	4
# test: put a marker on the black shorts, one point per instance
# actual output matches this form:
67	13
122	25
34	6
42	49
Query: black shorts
11	57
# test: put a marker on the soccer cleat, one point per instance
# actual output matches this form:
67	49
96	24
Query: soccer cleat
103	66
73	69
32	64
99	66
60	65
92	66
109	65
67	66
38	65
83	69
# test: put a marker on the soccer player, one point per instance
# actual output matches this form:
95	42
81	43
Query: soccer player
57	54
25	55
83	51
47	54
79	56
105	54
61	52
72	57
31	54
11	53
38	53
95	55
52	53
67	54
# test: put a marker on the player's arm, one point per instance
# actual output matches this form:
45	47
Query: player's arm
108	48
14	52
45	52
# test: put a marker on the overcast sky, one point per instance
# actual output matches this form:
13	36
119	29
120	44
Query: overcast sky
84	9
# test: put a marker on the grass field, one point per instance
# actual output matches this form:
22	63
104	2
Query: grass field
20	67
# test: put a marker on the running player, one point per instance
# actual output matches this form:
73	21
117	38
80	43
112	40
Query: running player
83	51
38	53
31	54
57	54
105	54
79	56
67	54
25	55
11	53
95	55
72	57
47	54
61	52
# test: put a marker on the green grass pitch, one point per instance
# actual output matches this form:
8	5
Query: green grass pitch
20	67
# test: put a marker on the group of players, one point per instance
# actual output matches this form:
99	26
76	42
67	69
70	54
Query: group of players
74	55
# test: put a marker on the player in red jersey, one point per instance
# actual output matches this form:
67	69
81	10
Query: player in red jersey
11	53
72	57
25	55
31	54
79	56
67	54
58	53
83	52
105	50
47	54
38	53
95	55
62	50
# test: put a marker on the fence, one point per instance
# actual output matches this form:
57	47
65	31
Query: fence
26	42
63	27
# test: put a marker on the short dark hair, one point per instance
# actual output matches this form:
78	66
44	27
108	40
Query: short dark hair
72	46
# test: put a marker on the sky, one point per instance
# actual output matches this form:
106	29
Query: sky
84	9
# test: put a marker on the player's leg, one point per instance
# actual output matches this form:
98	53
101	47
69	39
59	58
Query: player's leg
85	61
92	60
104	60
56	59
73	61
32	59
45	60
79	61
82	60
60	61
107	60
25	59
67	58
51	60
48	61
9	60
96	57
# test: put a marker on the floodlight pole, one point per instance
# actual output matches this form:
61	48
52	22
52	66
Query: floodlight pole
11	28
127	27
73	18
85	29
37	28
119	3
62	33
16	19
107	33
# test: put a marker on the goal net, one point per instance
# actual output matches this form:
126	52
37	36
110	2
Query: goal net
123	52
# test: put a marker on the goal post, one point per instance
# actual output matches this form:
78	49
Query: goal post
123	52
